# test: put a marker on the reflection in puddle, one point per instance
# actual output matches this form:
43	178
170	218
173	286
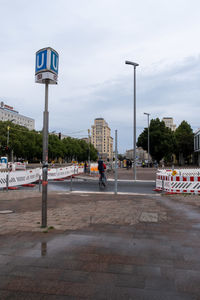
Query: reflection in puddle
43	249
74	242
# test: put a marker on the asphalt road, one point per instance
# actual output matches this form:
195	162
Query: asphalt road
123	186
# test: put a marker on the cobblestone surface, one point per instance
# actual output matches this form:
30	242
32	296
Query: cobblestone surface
72	211
100	246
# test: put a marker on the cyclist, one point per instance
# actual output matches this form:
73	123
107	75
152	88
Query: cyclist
101	168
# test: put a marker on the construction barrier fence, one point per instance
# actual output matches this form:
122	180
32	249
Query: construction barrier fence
18	178
178	181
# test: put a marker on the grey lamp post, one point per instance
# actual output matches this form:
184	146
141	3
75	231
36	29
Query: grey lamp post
148	135
134	112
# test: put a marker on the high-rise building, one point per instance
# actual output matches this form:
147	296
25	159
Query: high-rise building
169	122
101	139
7	113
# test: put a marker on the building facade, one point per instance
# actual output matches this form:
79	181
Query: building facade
7	113
141	155
169	122
197	144
101	138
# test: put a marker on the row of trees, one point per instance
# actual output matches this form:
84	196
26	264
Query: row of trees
164	143
27	145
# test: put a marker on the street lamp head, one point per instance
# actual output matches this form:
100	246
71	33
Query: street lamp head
146	114
127	62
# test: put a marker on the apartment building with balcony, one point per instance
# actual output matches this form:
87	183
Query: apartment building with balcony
101	138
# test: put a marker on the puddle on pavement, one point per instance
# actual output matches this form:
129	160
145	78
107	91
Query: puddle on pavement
74	242
105	243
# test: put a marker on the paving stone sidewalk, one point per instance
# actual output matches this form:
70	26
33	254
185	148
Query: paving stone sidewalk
99	246
68	211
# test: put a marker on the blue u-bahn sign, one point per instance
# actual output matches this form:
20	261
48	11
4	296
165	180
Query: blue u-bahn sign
46	65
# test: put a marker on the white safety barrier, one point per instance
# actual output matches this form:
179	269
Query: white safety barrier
59	173
169	181
180	172
19	177
29	176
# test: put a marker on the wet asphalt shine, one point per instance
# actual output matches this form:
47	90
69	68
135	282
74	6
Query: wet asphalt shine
142	246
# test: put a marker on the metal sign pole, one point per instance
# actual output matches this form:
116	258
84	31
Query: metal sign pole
45	158
134	122
148	142
116	162
89	150
46	72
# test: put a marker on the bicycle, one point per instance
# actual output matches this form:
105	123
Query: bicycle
102	180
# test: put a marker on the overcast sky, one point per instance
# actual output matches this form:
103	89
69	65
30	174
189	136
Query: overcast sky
93	39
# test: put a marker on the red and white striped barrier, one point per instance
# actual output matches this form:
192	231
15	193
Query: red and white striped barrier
18	178
173	183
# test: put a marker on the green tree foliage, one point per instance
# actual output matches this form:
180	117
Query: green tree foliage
27	145
161	140
184	138
78	150
56	148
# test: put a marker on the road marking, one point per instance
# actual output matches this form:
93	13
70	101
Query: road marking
107	193
6	211
79	178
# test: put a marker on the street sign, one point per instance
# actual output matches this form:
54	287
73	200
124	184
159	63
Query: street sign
46	71
46	66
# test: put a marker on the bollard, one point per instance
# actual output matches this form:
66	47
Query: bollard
39	183
7	182
71	184
162	186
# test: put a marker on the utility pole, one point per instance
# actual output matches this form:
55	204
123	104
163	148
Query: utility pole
116	167
89	149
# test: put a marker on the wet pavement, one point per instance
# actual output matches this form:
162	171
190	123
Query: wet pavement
100	246
91	185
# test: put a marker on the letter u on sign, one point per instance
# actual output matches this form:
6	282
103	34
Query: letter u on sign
41	61
54	62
